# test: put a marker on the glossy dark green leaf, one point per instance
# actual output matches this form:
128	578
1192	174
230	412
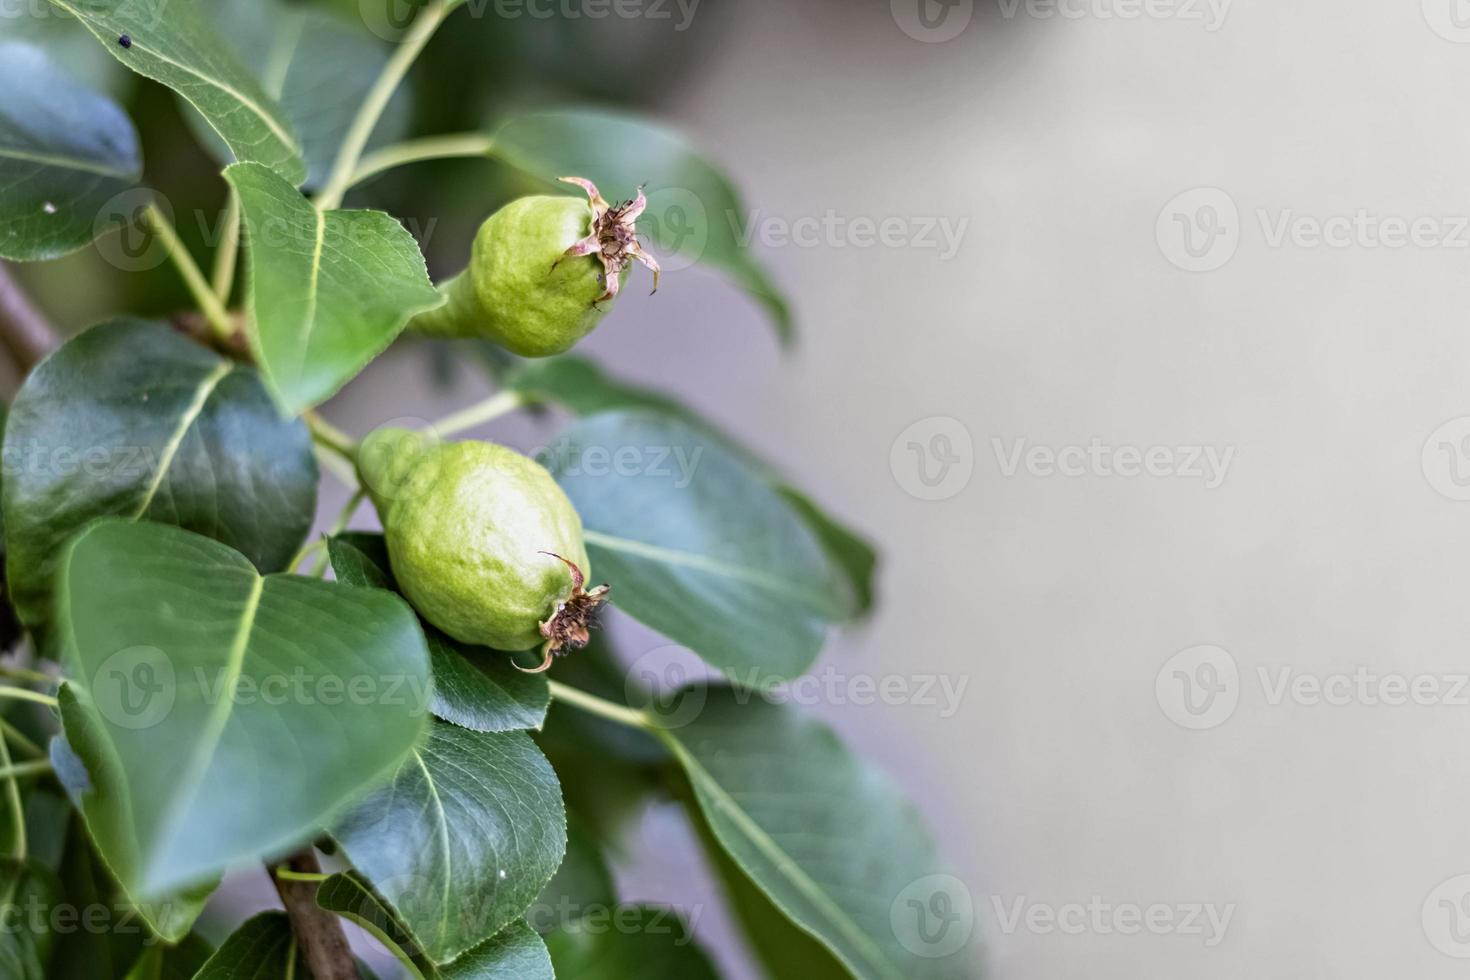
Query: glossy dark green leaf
130	419
831	842
462	839
698	546
580	386
515	953
174	44
647	942
474	687
64	151
318	67
264	948
327	292
694	213
201	689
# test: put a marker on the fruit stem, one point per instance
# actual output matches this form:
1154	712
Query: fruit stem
416	151
501	403
209	303
376	101
329	435
286	874
17	807
37	768
222	278
21	694
592	704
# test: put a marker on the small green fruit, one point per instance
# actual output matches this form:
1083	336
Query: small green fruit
482	541
542	273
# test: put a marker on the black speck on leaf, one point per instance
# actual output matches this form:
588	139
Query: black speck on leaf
125	41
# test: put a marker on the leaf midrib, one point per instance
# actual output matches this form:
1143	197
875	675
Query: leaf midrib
214	726
69	163
259	111
190	415
443	842
308	320
793	871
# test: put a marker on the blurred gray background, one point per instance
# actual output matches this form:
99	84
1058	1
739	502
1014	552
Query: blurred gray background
1154	392
1328	831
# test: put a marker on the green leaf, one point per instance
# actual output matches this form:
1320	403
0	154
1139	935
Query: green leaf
693	210
87	955
327	292
698	546
64	151
462	839
181	962
581	387
515	953
264	948
201	689
149	966
168	918
784	949
651	943
580	886
24	939
174	44
47	818
848	550
130	419
317	65
474	687
830	842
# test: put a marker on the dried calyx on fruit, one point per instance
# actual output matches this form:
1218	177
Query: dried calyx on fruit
614	238
543	271
482	541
